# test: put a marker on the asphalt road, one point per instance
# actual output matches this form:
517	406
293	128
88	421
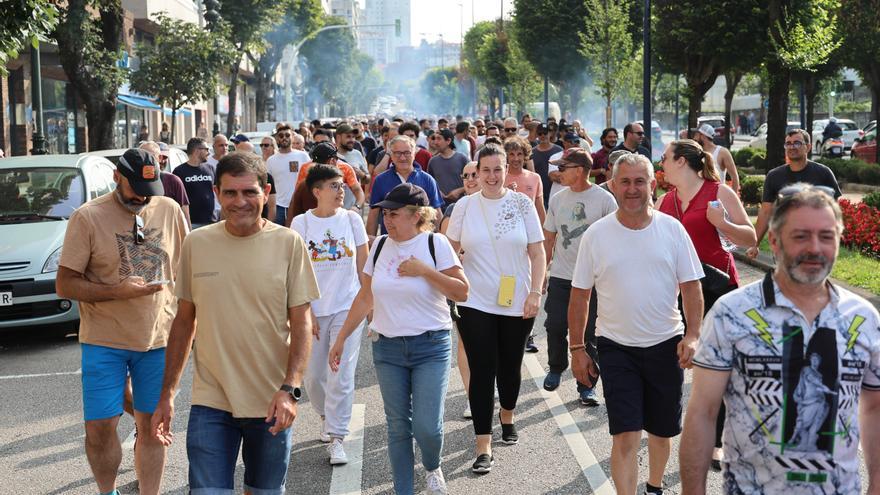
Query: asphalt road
564	447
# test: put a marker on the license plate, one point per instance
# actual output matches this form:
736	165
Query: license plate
835	149
5	298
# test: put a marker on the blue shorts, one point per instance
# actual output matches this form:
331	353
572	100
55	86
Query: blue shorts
104	370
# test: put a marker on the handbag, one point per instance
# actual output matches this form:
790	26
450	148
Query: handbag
715	283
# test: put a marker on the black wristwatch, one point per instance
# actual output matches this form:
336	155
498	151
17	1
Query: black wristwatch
294	392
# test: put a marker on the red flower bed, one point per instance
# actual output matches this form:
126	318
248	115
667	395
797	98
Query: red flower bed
861	228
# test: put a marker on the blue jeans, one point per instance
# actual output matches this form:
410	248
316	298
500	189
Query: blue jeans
213	438
280	214
413	374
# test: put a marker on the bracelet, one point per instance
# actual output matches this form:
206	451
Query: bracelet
535	292
577	347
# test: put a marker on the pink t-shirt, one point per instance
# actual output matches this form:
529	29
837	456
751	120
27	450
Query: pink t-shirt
528	183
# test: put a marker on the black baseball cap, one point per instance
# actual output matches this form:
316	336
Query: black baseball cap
405	194
142	172
323	152
239	138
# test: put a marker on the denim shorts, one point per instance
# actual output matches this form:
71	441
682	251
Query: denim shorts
104	370
213	438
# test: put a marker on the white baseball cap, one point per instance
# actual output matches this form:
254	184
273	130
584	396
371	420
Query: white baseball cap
707	130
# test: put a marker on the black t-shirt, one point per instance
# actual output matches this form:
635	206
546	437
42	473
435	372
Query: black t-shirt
541	160
814	173
271	181
199	184
375	156
640	150
368	144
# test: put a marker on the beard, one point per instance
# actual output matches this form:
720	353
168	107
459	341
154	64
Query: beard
792	267
130	205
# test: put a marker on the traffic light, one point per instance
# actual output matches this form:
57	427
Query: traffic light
396	27
212	13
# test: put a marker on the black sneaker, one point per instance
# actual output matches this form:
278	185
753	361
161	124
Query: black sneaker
530	345
483	464
508	433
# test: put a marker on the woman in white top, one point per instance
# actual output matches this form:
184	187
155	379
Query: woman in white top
408	276
337	242
501	236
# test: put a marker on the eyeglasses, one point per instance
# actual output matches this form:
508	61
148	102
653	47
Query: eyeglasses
401	153
791	190
510	129
469	176
283	135
203	148
335	186
639	133
266	145
565	167
138	230
793	145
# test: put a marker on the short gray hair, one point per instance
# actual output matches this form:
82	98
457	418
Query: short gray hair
404	139
633	159
809	197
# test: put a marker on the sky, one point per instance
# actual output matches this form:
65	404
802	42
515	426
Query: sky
433	17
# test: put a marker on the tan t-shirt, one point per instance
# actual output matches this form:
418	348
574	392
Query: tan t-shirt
242	288
99	243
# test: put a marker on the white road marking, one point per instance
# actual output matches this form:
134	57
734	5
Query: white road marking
129	440
590	467
41	375
346	479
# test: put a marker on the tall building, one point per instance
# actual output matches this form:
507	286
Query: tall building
382	43
351	12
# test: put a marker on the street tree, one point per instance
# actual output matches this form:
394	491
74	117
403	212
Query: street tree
298	18
245	22
180	67
329	58
90	46
549	33
439	87
860	26
474	39
524	81
703	43
23	23
608	45
802	34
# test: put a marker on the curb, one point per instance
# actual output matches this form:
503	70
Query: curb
766	263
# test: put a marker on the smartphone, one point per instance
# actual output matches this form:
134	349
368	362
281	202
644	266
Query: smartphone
159	282
506	290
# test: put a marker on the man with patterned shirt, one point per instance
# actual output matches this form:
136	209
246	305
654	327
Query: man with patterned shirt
792	357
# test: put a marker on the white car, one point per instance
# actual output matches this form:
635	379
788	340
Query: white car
851	131
176	156
37	196
759	137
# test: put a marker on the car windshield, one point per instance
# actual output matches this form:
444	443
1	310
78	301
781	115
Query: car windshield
39	194
714	123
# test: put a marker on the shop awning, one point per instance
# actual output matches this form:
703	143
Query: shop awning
180	111
138	102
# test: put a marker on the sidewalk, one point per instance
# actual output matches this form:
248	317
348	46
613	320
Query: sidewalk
765	262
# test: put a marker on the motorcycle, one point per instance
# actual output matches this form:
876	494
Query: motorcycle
832	148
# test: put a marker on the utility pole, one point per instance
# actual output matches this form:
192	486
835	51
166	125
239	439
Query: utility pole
37	103
646	73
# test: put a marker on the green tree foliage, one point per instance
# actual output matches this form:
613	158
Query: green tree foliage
607	43
89	39
525	83
180	68
329	58
23	23
474	39
364	87
549	33
299	19
860	28
701	43
439	90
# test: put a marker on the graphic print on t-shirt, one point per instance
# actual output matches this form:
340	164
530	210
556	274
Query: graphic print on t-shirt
510	215
329	249
576	224
147	260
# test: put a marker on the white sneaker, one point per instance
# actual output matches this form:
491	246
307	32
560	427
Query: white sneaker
337	453
467	412
436	483
325	438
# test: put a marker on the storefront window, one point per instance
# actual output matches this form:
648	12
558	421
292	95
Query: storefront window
56	121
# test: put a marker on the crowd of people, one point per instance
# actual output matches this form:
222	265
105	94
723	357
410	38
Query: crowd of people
265	267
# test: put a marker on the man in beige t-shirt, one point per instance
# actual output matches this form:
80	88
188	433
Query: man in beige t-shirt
249	281
119	259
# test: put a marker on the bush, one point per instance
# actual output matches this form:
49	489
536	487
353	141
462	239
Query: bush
751	189
758	161
861	228
743	156
869	174
872	199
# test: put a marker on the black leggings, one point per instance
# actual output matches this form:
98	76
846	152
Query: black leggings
494	345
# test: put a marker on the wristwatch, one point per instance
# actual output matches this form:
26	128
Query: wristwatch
294	392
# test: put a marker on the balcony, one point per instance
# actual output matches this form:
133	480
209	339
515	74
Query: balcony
145	11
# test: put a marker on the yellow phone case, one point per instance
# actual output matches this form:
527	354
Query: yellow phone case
506	289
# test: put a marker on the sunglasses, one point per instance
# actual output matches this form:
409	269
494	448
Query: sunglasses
467	176
639	133
266	145
565	167
138	230
510	129
789	191
283	135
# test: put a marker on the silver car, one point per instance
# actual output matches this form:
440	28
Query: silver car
37	196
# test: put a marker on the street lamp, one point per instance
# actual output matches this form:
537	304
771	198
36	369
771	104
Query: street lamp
831	96
646	73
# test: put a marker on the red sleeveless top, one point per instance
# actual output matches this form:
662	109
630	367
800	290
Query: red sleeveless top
703	234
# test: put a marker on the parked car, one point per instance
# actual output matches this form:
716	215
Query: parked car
37	196
865	147
851	131
759	137
716	121
176	156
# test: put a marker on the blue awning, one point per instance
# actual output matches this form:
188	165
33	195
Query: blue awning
138	102
180	111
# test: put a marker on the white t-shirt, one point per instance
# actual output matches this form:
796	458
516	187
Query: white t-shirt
569	215
514	224
555	187
355	159
332	246
637	273
408	306
284	168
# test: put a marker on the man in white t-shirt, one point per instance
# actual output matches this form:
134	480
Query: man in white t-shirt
639	260
284	167
221	148
571	140
571	212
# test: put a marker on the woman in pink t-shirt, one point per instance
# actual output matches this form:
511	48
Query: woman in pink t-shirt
518	178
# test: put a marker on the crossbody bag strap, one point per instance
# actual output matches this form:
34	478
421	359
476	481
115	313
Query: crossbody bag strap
491	236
